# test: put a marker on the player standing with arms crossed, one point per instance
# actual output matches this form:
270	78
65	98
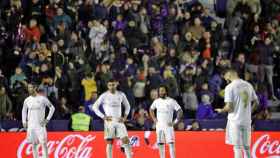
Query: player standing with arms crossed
33	118
239	96
114	127
165	107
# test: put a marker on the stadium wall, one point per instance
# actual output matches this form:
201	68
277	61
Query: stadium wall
91	145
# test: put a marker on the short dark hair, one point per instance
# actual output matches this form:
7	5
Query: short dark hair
112	80
163	86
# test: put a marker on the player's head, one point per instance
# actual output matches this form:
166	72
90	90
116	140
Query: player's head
112	85
32	88
230	75
162	91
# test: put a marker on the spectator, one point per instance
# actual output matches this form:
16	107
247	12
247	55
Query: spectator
32	33
17	78
63	111
61	18
262	112
96	35
5	104
171	83
3	80
140	117
48	87
197	29
89	85
195	126
190	101
239	65
266	67
80	121
181	126
205	109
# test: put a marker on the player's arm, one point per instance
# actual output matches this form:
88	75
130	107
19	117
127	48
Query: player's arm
229	107
179	111
24	115
95	108
179	116
152	112
127	108
51	111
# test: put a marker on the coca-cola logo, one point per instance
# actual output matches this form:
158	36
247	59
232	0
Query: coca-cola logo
71	146
265	147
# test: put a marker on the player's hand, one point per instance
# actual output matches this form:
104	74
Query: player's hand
122	120
44	123
219	110
170	124
107	118
24	125
155	121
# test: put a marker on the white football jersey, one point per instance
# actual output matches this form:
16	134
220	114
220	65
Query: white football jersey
165	109
112	104
33	111
241	94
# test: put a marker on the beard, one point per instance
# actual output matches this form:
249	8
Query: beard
163	96
228	81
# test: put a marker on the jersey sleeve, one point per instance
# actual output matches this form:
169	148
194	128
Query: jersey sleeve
24	112
228	94
154	105
125	103
176	105
50	106
96	105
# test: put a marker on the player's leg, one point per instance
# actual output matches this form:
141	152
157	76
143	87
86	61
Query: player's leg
32	138
161	148
127	148
109	135
247	152
246	139
45	150
122	133
109	148
233	137
237	151
35	150
160	142
172	150
170	139
42	137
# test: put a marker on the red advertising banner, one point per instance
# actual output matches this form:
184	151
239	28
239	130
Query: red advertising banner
92	145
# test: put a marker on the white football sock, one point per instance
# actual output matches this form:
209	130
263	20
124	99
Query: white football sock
45	150
127	150
172	150
109	148
35	150
247	152
237	151
161	148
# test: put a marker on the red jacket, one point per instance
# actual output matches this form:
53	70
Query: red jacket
33	33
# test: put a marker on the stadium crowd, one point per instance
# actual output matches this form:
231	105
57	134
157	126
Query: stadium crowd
71	48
